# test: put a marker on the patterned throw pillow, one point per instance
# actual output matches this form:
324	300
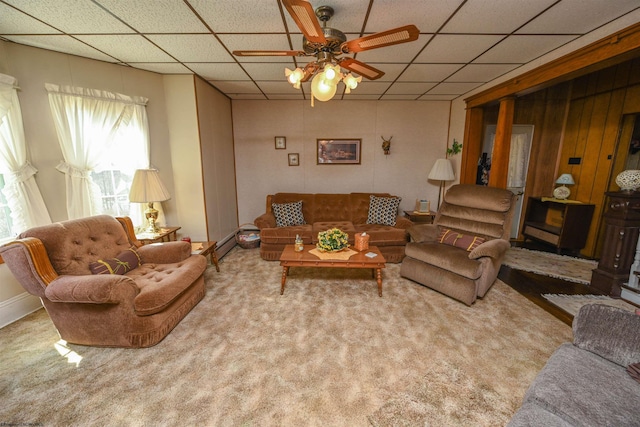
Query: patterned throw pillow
459	240
288	214
125	261
383	210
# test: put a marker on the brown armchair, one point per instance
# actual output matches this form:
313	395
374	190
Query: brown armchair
464	262
57	263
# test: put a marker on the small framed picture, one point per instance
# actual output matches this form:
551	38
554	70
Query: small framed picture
281	142
294	159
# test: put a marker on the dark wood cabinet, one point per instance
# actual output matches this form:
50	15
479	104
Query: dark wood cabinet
622	227
564	225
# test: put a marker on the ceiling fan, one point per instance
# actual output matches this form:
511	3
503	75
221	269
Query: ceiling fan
327	45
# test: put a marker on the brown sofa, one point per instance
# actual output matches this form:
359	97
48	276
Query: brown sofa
347	212
58	263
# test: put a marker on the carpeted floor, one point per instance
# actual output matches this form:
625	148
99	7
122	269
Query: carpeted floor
327	352
571	269
572	303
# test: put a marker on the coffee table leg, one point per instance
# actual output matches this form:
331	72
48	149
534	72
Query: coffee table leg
379	280
285	271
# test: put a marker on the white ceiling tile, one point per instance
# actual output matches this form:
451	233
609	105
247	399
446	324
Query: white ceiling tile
429	97
156	16
60	43
162	67
258	42
481	72
127	47
293	96
456	48
230	87
13	21
391	71
396	97
282	87
247	96
358	96
409	88
371	88
404	52
240	16
273	72
427	15
578	16
72	16
494	16
453	88
428	72
218	71
522	49
192	47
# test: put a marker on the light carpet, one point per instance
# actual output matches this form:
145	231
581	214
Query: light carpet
572	303
571	269
329	352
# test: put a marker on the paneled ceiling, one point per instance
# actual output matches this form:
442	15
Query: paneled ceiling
462	45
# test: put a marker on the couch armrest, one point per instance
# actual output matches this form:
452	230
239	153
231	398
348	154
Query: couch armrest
424	233
609	332
495	249
165	253
92	289
266	220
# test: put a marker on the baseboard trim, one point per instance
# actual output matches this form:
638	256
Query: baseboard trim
17	307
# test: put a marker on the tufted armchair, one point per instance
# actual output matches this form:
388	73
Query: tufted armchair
461	252
60	263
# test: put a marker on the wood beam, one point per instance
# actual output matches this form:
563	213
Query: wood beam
502	144
472	146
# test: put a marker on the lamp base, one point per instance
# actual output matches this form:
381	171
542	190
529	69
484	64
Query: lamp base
561	192
151	214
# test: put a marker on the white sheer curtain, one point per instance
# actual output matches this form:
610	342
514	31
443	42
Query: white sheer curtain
87	120
20	189
518	161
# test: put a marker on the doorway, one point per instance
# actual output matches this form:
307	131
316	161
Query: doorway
519	153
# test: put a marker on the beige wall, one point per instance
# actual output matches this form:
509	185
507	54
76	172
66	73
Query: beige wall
419	131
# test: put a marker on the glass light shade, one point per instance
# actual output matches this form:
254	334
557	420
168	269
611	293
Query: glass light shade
147	187
332	73
442	170
565	179
321	88
351	82
294	77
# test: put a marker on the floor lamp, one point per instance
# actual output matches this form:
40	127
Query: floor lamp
442	171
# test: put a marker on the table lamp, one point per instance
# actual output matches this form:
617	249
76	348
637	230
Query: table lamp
148	188
442	171
563	191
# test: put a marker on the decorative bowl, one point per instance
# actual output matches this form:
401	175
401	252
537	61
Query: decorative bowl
332	240
628	180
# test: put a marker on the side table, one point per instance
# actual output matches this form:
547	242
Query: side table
167	234
424	218
206	249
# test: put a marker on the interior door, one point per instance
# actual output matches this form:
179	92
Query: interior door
519	153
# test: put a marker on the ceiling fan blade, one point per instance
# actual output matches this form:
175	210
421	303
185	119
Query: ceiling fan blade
269	53
408	33
303	14
365	70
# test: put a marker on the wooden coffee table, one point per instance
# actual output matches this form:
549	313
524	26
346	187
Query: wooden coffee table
291	258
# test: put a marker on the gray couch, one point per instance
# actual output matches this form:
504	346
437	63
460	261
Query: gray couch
585	383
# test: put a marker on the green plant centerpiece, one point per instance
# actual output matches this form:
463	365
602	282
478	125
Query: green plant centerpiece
332	240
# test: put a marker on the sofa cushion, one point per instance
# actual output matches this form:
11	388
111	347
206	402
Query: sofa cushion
286	235
383	210
585	389
288	214
383	235
445	257
123	262
468	242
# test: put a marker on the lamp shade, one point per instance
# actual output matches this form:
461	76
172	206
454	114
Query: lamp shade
442	171
147	187
565	179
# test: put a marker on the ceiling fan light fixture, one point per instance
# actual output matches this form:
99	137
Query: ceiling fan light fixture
294	77
322	88
351	82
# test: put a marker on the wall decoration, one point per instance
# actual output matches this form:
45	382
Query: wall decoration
386	144
281	142
338	151
294	159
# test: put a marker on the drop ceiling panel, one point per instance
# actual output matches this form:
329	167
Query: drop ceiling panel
192	47
281	87
398	97
16	22
267	71
427	15
481	72
233	16
428	72
494	16
457	48
522	49
429	97
146	17
127	47
72	16
409	88
391	71
162	67
578	16
230	87
60	43
453	88
371	88
218	71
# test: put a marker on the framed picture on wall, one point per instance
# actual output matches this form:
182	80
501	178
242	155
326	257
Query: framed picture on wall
294	159
338	151
281	142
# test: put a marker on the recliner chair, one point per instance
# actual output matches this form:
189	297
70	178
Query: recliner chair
460	254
